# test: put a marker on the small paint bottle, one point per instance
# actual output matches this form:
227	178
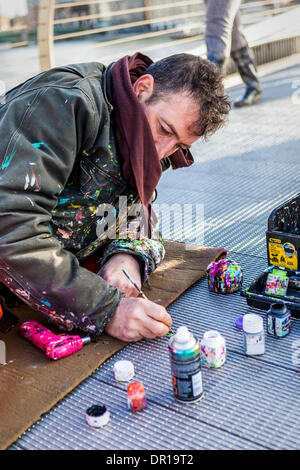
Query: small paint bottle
97	416
254	338
278	320
136	397
213	349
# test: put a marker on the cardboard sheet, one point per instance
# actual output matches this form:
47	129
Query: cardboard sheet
31	384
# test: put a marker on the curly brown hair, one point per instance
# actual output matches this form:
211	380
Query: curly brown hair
201	79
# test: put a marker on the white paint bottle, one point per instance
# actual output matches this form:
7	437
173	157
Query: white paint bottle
254	338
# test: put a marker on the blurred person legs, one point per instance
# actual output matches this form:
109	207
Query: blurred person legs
224	37
244	61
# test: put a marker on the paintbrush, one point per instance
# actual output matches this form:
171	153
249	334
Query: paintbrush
134	284
141	292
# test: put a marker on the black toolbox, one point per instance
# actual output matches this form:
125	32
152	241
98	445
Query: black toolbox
283	247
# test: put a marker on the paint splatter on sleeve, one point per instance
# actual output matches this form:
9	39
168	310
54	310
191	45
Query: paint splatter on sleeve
150	251
40	133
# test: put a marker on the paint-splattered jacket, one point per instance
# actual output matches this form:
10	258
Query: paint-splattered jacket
58	162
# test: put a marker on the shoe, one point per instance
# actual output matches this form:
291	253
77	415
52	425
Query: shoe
245	64
250	97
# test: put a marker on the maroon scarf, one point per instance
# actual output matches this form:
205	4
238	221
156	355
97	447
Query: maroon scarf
140	163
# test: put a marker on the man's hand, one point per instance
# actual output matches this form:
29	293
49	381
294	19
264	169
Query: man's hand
136	319
112	272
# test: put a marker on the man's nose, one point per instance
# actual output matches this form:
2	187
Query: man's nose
165	147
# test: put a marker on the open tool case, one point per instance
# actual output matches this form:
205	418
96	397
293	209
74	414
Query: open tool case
283	245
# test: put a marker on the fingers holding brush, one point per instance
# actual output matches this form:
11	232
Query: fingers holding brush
135	319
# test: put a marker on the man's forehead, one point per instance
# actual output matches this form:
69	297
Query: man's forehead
180	98
182	108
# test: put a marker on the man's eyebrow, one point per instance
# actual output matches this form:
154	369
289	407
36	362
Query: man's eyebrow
175	133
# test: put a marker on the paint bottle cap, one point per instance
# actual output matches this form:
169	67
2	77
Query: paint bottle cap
183	339
252	323
182	335
239	322
124	371
212	338
97	416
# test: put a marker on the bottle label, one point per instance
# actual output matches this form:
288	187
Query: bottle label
213	357
197	383
254	344
187	378
283	254
278	326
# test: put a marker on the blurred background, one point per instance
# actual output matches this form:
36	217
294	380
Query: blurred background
38	34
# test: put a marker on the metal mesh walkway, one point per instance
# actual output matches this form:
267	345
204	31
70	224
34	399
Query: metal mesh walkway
241	174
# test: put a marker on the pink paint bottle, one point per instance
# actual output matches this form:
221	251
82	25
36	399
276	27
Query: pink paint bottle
213	349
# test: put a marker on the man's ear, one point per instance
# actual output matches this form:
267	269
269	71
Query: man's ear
143	87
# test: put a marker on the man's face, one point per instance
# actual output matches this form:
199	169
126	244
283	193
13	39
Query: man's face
169	119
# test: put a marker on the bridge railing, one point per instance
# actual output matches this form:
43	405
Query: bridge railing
115	22
107	25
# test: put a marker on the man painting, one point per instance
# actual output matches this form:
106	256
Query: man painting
73	139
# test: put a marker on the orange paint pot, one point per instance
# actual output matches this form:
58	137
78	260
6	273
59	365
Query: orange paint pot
136	396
